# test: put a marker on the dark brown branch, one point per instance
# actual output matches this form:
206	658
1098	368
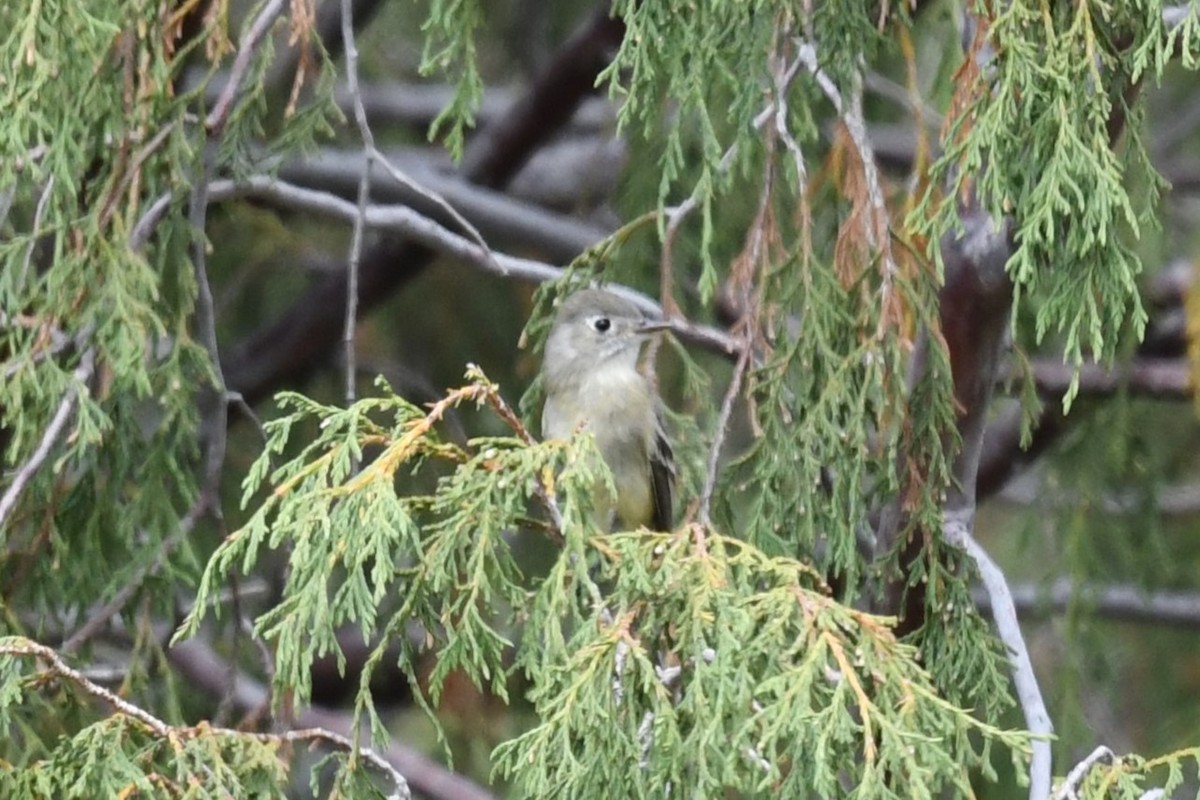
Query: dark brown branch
975	304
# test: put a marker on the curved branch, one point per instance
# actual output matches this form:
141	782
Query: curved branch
291	347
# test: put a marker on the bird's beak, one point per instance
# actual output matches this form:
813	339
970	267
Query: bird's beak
652	326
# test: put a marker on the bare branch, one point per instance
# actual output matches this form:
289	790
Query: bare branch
35	230
364	192
1164	378
498	216
1124	603
404	180
722	427
216	120
421	229
398	219
294	344
50	437
419	104
1069	790
140	235
958	532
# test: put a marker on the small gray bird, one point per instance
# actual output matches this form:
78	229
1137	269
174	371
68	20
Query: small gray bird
591	380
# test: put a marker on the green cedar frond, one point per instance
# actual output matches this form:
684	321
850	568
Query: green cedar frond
95	127
709	662
712	667
1032	141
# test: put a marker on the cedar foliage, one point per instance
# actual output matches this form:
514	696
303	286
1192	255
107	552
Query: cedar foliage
713	659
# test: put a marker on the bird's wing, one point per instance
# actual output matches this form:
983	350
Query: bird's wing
662	480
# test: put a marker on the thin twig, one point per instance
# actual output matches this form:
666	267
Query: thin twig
782	81
53	431
850	109
236	399
217	119
364	198
427	232
149	220
437	199
558	235
17	646
216	421
1069	790
957	531
722	428
35	230
510	418
132	170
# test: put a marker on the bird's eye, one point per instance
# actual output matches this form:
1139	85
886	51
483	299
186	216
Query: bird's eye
602	324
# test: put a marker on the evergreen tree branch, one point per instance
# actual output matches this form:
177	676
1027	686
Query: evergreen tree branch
100	618
749	273
59	342
776	111
876	224
328	29
54	431
974	309
55	666
1006	453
